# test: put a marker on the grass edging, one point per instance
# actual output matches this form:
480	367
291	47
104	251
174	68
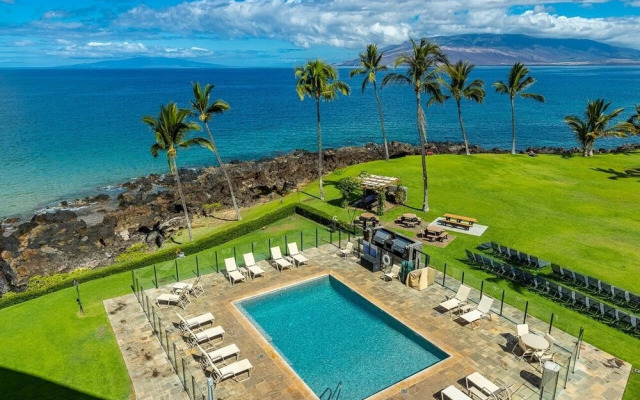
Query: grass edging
40	286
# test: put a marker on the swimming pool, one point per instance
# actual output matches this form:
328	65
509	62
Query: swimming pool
329	334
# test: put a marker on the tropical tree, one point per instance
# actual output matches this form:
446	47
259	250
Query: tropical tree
635	121
319	80
457	75
204	110
518	81
421	75
170	130
595	125
370	65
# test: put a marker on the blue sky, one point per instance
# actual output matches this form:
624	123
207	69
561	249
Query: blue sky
282	32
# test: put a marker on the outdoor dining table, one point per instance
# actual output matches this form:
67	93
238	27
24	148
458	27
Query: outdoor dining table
367	216
535	342
409	216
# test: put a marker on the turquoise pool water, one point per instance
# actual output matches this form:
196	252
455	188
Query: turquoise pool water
329	334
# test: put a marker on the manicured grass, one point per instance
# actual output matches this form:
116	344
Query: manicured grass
561	209
565	210
51	351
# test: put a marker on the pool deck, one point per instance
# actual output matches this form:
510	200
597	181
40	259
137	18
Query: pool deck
486	349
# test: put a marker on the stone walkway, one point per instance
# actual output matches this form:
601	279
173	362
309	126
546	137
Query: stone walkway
486	349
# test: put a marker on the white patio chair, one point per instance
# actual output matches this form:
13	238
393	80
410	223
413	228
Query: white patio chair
232	371
458	300
181	299
250	264
195	322
297	256
482	311
279	261
347	250
208	359
233	274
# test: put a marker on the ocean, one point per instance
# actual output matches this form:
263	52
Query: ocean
71	133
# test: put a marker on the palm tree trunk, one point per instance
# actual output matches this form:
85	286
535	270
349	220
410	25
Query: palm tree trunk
464	133
384	134
513	128
224	172
423	134
319	148
184	203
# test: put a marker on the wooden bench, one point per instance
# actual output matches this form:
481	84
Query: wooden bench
456	224
460	218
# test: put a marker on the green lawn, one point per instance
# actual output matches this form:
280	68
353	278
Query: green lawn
565	210
51	351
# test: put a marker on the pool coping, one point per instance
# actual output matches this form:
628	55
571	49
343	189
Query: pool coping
273	353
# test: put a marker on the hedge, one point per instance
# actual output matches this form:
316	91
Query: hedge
65	280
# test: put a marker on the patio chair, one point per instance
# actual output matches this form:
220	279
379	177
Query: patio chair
482	311
278	261
629	323
527	278
607	313
545	355
458	300
581	280
593	284
606	289
453	393
232	371
233	274
523	258
570	275
181	299
347	250
621	318
208	359
297	256
542	263
633	300
250	264
496	248
578	300
194	322
504	251
556	270
483	388
521	329
470	256
539	284
592	308
619	295
393	273
208	334
195	288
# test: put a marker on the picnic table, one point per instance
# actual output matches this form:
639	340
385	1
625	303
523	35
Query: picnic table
367	217
410	220
434	232
458	221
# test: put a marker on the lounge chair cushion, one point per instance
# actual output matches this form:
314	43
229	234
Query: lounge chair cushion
200	320
255	270
236	368
450	304
235	275
453	393
300	259
168	298
208	334
472	316
482	383
224	352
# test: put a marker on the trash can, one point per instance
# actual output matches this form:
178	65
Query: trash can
549	381
406	267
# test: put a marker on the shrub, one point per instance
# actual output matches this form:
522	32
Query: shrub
211	208
400	195
134	252
382	199
347	186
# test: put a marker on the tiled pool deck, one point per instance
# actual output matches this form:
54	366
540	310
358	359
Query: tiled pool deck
487	349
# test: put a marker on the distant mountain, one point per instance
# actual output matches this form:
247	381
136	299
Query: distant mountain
491	49
144	62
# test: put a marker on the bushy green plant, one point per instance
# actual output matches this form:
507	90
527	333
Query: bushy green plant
400	195
211	208
382	199
347	186
134	251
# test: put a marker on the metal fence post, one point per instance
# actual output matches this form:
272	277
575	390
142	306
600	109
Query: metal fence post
252	250
526	309
301	242
551	323
481	288
339	238
153	313
316	236
155	275
184	374
234	253
197	267
286	248
330	237
133	281
502	302
193	386
217	269
444	274
462	282
175	359
210	389
270	255
177	275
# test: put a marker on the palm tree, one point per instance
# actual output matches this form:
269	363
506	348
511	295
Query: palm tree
421	75
201	107
457	86
635	121
370	62
595	125
518	81
170	129
319	80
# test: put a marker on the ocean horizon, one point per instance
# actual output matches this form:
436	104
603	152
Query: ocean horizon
71	133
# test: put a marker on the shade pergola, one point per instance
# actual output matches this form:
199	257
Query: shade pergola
377	182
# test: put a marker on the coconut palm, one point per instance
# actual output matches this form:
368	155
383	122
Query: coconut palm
595	125
421	75
204	110
458	75
370	62
518	81
319	80
635	121
170	130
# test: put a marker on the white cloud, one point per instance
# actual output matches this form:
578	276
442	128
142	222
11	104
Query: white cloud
53	14
115	49
353	23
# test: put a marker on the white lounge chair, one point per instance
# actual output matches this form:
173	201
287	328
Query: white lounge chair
233	274
181	299
545	355
195	322
194	288
210	358
205	336
483	388
482	311
460	299
297	256
232	371
453	393
347	250
250	264
279	261
393	273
